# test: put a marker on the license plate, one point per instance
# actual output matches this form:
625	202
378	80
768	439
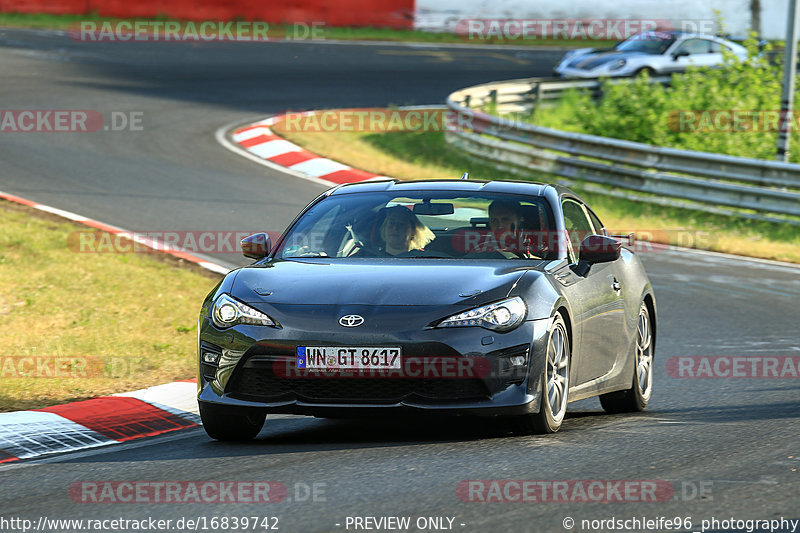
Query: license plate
348	357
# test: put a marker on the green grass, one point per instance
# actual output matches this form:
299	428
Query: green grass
127	320
421	155
63	22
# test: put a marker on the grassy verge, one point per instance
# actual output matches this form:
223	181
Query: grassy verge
103	322
64	22
415	155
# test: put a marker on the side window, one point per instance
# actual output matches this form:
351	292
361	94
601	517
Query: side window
577	225
719	47
599	228
695	46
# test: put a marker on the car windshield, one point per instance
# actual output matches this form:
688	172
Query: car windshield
424	224
648	42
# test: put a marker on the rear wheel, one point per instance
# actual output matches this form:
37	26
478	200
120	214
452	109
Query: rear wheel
636	398
224	423
555	383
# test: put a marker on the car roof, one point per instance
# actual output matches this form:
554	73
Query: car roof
683	33
468	185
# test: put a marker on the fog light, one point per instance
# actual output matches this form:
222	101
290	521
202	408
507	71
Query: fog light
211	358
517	360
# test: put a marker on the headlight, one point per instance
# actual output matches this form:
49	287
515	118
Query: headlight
228	312
618	64
499	316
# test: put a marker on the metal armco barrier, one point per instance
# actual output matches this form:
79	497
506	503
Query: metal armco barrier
754	188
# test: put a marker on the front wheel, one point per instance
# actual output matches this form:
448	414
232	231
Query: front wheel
636	398
224	423
644	70
555	383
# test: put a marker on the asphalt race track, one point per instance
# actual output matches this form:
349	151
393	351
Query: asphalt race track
728	447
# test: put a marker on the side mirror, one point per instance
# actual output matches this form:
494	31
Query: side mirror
256	246
682	53
599	249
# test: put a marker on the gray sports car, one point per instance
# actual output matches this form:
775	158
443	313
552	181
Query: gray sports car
655	52
450	296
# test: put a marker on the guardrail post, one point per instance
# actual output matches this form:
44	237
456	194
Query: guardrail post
537	100
597	93
493	99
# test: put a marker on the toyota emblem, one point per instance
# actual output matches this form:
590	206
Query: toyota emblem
351	321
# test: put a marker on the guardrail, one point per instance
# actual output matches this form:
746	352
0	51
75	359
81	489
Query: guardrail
756	188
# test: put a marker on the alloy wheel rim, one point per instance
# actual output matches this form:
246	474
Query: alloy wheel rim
557	373
644	353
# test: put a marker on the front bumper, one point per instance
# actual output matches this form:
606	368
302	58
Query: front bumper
252	372
569	72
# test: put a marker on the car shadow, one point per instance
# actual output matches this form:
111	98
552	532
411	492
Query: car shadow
300	434
307	434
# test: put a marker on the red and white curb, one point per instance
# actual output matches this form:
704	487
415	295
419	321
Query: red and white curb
258	142
99	421
109	419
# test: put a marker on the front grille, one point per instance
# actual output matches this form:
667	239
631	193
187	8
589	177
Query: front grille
258	382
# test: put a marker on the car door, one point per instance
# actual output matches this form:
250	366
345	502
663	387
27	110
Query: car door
598	300
701	53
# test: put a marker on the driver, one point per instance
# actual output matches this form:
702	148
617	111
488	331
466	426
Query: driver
402	231
504	221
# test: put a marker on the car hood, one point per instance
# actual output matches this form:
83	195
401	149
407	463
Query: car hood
419	282
593	60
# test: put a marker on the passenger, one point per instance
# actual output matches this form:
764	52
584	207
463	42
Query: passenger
402	231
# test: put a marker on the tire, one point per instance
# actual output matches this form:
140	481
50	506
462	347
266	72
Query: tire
555	383
224	423
650	72
636	398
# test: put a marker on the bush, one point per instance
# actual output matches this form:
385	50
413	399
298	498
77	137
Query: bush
642	112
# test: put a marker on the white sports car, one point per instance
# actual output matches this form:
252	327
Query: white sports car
654	52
